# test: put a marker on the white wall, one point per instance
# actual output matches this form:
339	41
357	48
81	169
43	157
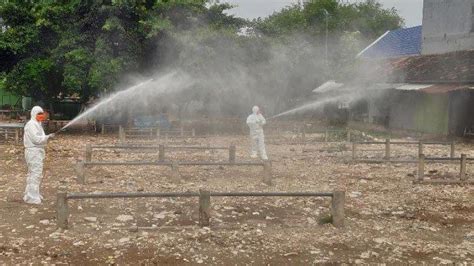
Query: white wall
448	26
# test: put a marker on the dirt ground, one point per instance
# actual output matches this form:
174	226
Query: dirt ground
388	218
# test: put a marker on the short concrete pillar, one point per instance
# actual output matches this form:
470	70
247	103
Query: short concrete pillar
387	149
267	172
175	171
354	151
158	132
121	134
303	135
337	208
17	136
326	136
421	167
88	152
204	208
193	132
182	131
161	152
348	139
420	147
80	172
232	151
62	210
102	129
452	153
462	174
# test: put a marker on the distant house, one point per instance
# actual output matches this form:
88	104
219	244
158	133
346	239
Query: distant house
423	79
431	94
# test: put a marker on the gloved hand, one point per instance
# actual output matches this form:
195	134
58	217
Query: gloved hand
51	135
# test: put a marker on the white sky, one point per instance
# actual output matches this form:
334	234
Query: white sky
410	10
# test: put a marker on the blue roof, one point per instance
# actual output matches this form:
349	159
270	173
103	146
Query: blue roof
395	43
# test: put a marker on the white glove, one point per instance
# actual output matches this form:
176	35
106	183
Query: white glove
51	135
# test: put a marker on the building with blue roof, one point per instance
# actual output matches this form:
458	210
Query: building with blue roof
395	43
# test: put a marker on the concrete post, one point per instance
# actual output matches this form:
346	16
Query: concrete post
80	173
62	210
182	132
420	148
161	152
193	132
348	136
421	167
121	134
462	174
452	149
175	171
387	149
354	150
102	129
88	152
337	209
158	133
17	136
267	172
326	136
232	151
303	135
204	207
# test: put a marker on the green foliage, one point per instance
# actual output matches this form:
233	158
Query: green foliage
368	17
58	48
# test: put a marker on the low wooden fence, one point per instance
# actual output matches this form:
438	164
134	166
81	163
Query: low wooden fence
463	177
62	207
388	144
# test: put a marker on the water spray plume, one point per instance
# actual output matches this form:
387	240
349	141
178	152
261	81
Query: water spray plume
103	103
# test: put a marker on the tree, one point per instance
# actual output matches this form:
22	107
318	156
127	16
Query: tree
53	49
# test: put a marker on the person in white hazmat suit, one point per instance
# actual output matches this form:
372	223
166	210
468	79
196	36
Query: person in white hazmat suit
256	121
34	140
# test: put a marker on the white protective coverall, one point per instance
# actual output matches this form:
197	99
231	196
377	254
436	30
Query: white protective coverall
34	140
255	121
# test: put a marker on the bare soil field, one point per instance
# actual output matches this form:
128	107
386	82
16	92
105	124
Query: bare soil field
388	218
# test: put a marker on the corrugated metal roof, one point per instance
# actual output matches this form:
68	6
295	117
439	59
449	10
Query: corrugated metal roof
396	43
433	88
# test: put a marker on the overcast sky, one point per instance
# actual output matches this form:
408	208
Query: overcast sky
410	10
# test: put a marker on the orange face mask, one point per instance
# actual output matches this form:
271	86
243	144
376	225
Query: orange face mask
41	117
